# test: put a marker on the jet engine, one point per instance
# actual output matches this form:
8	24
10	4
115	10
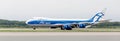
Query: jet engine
82	25
67	27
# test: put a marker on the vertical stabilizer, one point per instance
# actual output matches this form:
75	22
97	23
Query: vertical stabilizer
98	16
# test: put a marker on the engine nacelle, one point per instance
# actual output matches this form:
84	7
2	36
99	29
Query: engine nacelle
67	27
82	25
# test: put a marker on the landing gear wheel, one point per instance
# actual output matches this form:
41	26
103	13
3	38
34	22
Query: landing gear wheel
62	28
53	27
34	28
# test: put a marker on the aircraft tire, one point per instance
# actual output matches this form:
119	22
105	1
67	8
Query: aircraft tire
62	28
53	27
34	28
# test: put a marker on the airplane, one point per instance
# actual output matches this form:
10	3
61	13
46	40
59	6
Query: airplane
65	24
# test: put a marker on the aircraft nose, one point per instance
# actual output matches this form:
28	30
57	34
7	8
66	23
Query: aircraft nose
26	22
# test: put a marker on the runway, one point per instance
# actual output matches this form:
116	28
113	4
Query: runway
59	36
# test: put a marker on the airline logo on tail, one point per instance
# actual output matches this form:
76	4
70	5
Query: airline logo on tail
98	16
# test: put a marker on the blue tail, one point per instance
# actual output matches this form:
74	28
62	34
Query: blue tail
97	17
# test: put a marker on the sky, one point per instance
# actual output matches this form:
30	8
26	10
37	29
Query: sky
81	9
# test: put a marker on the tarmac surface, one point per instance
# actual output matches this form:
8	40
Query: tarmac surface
59	36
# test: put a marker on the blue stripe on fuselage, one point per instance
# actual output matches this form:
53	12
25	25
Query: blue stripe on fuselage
56	21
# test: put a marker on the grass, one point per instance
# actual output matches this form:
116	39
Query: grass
58	30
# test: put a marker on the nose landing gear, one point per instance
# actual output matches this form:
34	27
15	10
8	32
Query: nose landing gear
34	28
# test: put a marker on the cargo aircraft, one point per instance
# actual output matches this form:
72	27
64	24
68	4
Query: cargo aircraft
65	24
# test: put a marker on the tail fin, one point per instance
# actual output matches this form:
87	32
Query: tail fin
98	16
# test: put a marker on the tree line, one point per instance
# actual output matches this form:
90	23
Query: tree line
21	24
12	24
